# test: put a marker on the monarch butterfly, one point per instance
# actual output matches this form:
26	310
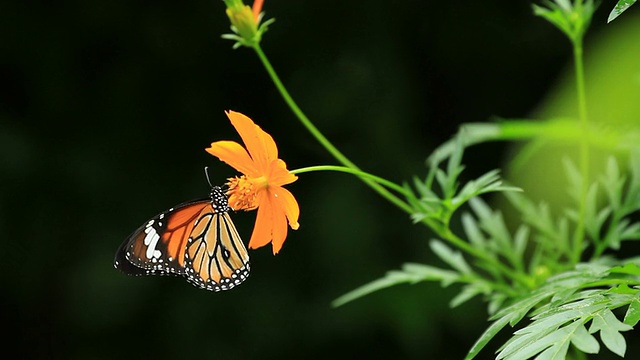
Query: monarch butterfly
196	239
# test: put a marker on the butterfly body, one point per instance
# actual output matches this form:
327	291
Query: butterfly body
196	240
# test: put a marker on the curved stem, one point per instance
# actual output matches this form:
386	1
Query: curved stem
373	182
318	135
298	112
362	174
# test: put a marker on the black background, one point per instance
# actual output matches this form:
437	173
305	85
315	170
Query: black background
106	108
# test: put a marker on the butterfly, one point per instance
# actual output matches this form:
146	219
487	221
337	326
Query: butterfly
196	240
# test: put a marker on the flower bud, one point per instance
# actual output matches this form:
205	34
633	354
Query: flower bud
245	22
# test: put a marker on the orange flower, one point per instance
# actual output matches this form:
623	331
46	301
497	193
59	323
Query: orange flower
261	185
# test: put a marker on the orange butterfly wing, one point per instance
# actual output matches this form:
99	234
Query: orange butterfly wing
216	258
196	240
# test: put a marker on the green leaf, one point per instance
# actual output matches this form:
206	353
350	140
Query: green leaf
520	240
549	231
422	208
453	258
600	219
554	15
622	231
623	289
572	299
556	352
449	181
423	189
609	326
493	224
556	317
474	133
584	341
574	179
613	183
471	229
518	310
510	315
620	7
553	328
480	208
487	336
564	4
496	302
524	347
592	226
411	273
571	20
630	232
468	292
443	180
489	182
475	187
629	268
632	315
453	166
558	344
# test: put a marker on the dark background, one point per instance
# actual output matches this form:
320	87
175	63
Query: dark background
106	107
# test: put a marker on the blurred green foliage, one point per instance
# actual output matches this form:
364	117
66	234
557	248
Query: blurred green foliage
613	90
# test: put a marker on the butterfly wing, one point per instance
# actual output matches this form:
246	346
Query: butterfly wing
158	246
196	240
216	258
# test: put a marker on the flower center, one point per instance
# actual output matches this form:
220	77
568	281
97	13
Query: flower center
243	192
260	182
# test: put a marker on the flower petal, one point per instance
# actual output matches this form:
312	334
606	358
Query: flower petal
288	205
279	175
260	145
233	154
261	235
279	226
271	222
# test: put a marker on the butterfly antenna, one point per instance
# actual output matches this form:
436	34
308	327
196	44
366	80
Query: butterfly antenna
206	174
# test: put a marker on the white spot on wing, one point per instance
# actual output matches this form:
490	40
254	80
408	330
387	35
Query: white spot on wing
151	240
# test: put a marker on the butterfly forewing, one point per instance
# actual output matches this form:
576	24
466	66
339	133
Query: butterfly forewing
196	239
158	246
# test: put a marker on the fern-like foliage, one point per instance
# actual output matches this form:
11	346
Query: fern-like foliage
526	272
552	274
569	308
620	7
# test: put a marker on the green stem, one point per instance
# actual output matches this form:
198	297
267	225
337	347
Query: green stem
444	232
318	135
441	229
604	242
448	235
298	112
584	148
362	174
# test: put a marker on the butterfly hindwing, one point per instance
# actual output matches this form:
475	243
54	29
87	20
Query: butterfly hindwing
216	258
